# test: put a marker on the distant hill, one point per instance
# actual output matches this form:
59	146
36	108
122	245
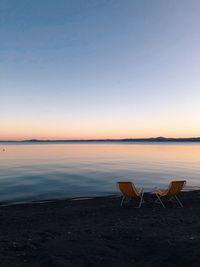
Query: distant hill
136	140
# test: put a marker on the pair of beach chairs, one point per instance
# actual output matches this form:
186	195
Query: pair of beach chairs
129	191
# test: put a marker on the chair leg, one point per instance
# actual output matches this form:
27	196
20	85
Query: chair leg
141	200
127	199
178	201
122	201
172	199
160	201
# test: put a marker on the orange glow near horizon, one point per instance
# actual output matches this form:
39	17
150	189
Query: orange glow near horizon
26	135
113	127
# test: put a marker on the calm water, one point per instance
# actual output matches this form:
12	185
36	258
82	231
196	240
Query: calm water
31	172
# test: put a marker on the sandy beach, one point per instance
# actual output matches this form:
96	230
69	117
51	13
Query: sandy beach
98	232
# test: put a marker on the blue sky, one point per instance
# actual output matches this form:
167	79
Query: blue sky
99	69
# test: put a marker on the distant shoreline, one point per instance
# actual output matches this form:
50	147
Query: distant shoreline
124	140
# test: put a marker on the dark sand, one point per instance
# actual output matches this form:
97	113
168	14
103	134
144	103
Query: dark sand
98	232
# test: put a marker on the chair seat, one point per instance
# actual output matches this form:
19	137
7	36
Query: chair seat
162	192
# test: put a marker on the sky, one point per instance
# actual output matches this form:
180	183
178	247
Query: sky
99	69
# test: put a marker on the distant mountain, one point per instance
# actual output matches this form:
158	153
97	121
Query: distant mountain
151	139
163	139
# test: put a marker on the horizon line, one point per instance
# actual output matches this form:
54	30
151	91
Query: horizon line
159	138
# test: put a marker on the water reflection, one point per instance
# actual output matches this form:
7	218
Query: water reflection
41	171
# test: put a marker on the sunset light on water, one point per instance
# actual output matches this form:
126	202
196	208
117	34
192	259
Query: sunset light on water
51	171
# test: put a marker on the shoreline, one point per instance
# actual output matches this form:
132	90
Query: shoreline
114	194
98	232
55	200
80	198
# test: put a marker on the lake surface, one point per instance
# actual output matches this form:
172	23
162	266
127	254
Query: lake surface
33	172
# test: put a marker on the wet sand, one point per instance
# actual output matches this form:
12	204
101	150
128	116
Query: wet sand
98	232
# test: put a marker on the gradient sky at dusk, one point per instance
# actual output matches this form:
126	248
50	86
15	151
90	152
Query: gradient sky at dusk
99	69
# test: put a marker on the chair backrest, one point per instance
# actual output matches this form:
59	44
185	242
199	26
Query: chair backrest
128	189
175	187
